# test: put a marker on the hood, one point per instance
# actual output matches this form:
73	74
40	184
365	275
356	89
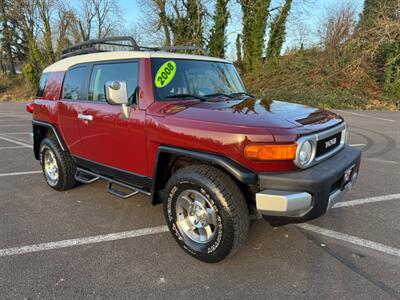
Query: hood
251	112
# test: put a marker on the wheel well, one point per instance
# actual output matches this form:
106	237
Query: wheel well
39	133
167	164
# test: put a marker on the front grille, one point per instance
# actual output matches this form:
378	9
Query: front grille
328	144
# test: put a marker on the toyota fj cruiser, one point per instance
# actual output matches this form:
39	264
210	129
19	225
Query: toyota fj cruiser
183	130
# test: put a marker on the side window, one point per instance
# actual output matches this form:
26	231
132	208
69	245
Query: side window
102	73
42	84
73	82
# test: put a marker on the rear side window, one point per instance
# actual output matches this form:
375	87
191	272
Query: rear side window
42	84
73	83
127	71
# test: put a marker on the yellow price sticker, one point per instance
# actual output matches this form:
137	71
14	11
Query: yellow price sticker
165	74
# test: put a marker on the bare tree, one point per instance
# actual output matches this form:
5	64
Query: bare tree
85	19
66	19
107	16
96	18
338	28
176	21
163	19
45	9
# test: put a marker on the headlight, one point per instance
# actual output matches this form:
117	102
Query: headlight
304	153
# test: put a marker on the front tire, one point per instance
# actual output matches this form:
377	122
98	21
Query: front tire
57	165
206	212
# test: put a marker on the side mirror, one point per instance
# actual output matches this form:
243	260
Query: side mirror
116	92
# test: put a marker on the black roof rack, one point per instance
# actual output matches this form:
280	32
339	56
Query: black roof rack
176	48
90	46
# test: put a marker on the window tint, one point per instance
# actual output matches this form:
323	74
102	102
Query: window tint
42	84
108	72
73	82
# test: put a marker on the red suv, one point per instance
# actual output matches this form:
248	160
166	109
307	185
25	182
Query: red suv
183	130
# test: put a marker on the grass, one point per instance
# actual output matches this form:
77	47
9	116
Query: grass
14	88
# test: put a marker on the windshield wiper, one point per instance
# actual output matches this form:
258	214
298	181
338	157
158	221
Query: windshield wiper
182	96
218	94
242	93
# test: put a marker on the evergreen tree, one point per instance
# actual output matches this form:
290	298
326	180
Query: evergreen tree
239	48
217	43
6	37
239	62
255	15
278	31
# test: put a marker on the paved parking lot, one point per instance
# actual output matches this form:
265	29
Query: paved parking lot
87	243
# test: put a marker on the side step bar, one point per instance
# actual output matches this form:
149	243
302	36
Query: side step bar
84	177
121	194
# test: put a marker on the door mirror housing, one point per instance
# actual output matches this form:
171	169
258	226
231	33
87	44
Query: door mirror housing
116	92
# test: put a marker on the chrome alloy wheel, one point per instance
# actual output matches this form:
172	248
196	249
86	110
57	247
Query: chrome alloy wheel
50	167
196	216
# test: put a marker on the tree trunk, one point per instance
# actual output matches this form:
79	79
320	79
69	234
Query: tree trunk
278	32
7	37
217	43
255	16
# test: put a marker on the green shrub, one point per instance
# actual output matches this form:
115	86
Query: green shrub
31	74
392	73
309	77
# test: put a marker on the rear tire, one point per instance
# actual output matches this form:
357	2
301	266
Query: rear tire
206	212
57	165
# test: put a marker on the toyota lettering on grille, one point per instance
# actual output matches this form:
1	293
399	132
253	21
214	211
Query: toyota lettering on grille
330	143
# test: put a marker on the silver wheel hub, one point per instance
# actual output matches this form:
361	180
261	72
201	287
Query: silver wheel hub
50	167
196	216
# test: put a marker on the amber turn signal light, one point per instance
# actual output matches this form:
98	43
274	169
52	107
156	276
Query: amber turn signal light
270	152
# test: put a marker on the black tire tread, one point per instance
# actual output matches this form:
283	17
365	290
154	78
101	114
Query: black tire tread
235	202
66	165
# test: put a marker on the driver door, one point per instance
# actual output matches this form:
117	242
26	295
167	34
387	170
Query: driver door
110	142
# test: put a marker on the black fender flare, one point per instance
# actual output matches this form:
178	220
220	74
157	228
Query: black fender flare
241	173
37	138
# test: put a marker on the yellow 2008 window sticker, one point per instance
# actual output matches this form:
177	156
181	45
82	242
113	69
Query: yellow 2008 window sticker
165	74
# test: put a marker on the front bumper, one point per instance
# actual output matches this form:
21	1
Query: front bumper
307	194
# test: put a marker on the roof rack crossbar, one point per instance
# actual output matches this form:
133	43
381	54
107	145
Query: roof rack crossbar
75	49
81	51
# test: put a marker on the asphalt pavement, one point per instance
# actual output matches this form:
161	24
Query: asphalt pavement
86	243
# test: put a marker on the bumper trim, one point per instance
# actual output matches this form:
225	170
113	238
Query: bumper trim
283	203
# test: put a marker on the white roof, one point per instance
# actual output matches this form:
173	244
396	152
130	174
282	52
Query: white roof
64	64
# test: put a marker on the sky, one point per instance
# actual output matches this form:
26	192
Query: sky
303	25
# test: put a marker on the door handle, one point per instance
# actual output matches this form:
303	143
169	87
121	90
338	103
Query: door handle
85	117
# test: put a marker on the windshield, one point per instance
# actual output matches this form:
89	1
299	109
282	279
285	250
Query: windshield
184	78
